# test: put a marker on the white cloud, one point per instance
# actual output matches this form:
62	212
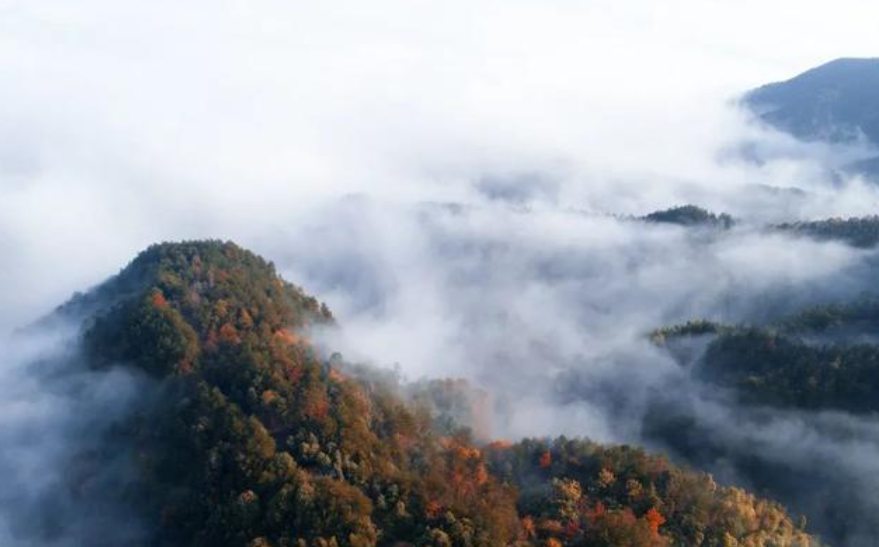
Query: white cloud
124	123
127	122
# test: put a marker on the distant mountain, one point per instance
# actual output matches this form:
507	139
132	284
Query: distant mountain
835	102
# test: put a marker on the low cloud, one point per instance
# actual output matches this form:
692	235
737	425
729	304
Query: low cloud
57	463
457	181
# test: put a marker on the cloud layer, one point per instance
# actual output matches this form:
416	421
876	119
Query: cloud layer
446	175
125	124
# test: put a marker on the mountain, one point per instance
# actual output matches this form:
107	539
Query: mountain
835	102
246	434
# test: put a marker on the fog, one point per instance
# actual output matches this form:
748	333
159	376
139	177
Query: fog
63	481
457	181
123	124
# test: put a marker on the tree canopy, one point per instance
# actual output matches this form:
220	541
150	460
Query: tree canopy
255	438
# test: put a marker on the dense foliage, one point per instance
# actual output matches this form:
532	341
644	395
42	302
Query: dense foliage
824	357
579	493
857	231
259	442
690	215
697	327
772	368
255	440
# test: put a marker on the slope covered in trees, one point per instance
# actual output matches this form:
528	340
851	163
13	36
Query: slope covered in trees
824	357
860	232
769	367
809	377
836	101
856	231
252	438
580	493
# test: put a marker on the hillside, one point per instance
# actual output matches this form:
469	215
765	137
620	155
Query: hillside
249	437
856	231
811	377
836	102
822	358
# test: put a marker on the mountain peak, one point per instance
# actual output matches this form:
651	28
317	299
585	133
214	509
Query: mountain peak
177	300
836	102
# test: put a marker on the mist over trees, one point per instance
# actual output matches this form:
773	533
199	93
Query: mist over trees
559	281
860	232
243	374
831	102
247	436
238	352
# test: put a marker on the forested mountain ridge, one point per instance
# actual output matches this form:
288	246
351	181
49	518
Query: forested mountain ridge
836	102
860	232
254	439
807	375
823	357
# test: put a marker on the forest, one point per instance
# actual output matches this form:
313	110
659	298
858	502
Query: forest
439	274
253	436
691	215
860	232
823	357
